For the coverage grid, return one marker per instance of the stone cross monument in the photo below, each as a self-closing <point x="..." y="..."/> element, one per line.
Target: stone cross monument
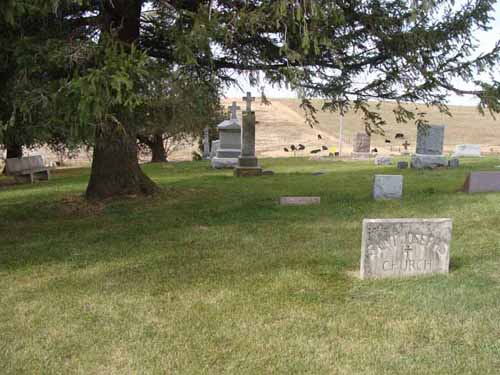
<point x="248" y="164"/>
<point x="234" y="110"/>
<point x="228" y="148"/>
<point x="249" y="99"/>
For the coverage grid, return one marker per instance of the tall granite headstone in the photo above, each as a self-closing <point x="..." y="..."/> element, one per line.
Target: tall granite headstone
<point x="248" y="164"/>
<point x="429" y="150"/>
<point x="405" y="247"/>
<point x="430" y="140"/>
<point x="361" y="143"/>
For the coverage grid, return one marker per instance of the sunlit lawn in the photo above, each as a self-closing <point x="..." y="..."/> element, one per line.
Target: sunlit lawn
<point x="212" y="276"/>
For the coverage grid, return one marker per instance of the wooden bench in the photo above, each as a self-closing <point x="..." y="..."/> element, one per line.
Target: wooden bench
<point x="27" y="169"/>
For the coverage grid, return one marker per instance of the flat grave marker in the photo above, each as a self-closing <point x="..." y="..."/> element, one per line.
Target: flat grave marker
<point x="482" y="182"/>
<point x="299" y="201"/>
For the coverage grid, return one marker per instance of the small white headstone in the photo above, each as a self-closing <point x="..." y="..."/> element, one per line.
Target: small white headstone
<point x="383" y="160"/>
<point x="467" y="151"/>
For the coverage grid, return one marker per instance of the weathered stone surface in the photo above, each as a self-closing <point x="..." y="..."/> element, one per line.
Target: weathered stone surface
<point x="361" y="155"/>
<point x="247" y="171"/>
<point x="482" y="182"/>
<point x="248" y="135"/>
<point x="221" y="163"/>
<point x="299" y="201"/>
<point x="387" y="186"/>
<point x="402" y="164"/>
<point x="214" y="148"/>
<point x="267" y="172"/>
<point x="405" y="247"/>
<point x="229" y="148"/>
<point x="467" y="151"/>
<point x="383" y="160"/>
<point x="230" y="139"/>
<point x="361" y="143"/>
<point x="228" y="153"/>
<point x="206" y="144"/>
<point x="430" y="140"/>
<point x="453" y="163"/>
<point x="428" y="161"/>
<point x="248" y="165"/>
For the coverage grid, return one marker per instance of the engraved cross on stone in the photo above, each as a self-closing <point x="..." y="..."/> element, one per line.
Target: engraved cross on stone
<point x="249" y="99"/>
<point x="408" y="250"/>
<point x="234" y="108"/>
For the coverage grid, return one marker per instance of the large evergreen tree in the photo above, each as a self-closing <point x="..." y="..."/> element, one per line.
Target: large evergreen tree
<point x="404" y="51"/>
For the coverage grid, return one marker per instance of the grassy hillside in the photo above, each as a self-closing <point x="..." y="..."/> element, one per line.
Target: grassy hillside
<point x="213" y="277"/>
<point x="282" y="124"/>
<point x="465" y="125"/>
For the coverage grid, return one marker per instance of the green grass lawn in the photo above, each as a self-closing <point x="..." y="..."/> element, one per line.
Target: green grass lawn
<point x="212" y="276"/>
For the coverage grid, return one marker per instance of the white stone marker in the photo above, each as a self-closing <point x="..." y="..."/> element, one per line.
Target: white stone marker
<point x="387" y="186"/>
<point x="467" y="151"/>
<point x="383" y="160"/>
<point x="405" y="247"/>
<point x="229" y="148"/>
<point x="299" y="201"/>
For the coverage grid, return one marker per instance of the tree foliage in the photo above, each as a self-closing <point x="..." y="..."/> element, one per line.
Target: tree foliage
<point x="347" y="52"/>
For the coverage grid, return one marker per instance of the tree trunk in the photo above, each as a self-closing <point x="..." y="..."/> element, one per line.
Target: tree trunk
<point x="115" y="166"/>
<point x="13" y="151"/>
<point x="158" y="153"/>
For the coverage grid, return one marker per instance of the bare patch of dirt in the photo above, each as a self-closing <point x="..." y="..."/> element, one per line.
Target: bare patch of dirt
<point x="78" y="206"/>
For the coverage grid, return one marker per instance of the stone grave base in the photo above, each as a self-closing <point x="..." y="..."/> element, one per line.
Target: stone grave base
<point x="419" y="161"/>
<point x="221" y="163"/>
<point x="228" y="153"/>
<point x="361" y="155"/>
<point x="248" y="161"/>
<point x="247" y="171"/>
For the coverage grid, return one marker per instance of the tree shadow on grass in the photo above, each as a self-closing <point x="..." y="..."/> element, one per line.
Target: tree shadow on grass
<point x="219" y="226"/>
